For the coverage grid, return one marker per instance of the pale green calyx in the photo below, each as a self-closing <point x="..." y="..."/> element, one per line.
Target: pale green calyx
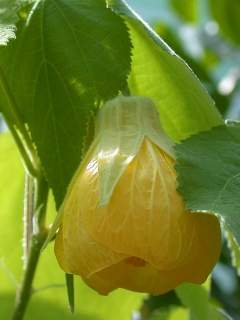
<point x="122" y="124"/>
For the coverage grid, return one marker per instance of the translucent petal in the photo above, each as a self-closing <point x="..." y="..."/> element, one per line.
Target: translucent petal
<point x="145" y="215"/>
<point x="143" y="239"/>
<point x="78" y="253"/>
<point x="146" y="278"/>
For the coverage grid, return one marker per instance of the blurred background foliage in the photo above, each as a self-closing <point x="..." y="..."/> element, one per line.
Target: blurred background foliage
<point x="206" y="34"/>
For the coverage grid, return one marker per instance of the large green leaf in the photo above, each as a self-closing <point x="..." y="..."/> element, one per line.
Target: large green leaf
<point x="49" y="303"/>
<point x="208" y="165"/>
<point x="68" y="56"/>
<point x="157" y="72"/>
<point x="227" y="14"/>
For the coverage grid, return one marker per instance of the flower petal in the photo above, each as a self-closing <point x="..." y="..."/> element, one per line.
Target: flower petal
<point x="143" y="216"/>
<point x="78" y="253"/>
<point x="206" y="247"/>
<point x="204" y="253"/>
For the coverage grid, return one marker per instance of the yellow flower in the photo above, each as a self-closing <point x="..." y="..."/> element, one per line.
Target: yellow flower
<point x="123" y="224"/>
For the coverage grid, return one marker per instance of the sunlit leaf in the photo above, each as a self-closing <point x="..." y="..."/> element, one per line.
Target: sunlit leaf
<point x="157" y="72"/>
<point x="179" y="314"/>
<point x="195" y="298"/>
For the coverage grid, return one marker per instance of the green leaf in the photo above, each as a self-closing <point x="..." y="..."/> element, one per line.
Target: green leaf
<point x="179" y="314"/>
<point x="73" y="55"/>
<point x="227" y="14"/>
<point x="161" y="315"/>
<point x="174" y="314"/>
<point x="208" y="165"/>
<point x="235" y="251"/>
<point x="45" y="303"/>
<point x="70" y="291"/>
<point x="196" y="299"/>
<point x="158" y="73"/>
<point x="186" y="9"/>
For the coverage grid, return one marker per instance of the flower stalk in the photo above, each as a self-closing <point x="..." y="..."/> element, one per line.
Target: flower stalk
<point x="37" y="240"/>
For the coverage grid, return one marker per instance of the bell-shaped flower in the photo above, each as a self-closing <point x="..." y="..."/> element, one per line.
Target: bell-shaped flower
<point x="123" y="224"/>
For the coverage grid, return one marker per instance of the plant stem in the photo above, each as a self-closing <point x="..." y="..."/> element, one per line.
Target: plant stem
<point x="25" y="290"/>
<point x="28" y="213"/>
<point x="38" y="238"/>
